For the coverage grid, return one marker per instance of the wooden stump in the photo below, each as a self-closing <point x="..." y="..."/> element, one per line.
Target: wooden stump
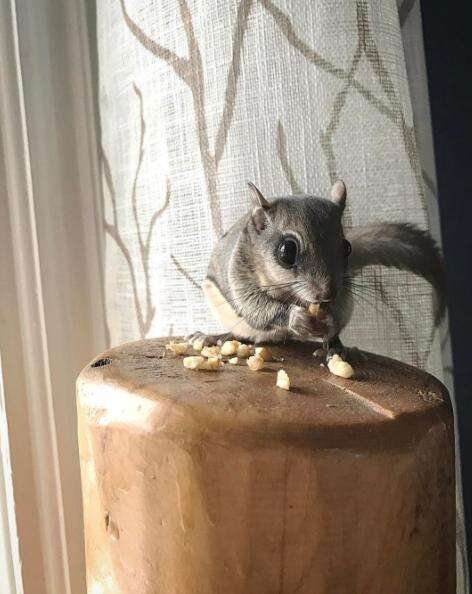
<point x="220" y="483"/>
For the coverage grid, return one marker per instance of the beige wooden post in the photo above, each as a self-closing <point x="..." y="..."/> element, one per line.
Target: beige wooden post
<point x="220" y="483"/>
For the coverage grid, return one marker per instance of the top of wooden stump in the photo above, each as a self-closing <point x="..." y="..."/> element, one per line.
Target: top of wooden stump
<point x="142" y="384"/>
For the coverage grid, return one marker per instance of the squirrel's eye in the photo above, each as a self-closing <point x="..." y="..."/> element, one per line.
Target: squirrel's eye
<point x="347" y="247"/>
<point x="287" y="252"/>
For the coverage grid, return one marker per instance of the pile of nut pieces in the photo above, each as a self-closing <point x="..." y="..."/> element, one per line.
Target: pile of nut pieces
<point x="211" y="358"/>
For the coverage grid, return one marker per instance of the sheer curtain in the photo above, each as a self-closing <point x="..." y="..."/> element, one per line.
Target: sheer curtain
<point x="198" y="96"/>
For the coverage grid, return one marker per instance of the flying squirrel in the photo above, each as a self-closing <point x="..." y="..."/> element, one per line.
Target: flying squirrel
<point x="291" y="252"/>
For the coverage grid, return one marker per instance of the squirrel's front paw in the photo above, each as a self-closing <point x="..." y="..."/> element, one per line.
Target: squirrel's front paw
<point x="304" y="325"/>
<point x="208" y="339"/>
<point x="300" y="321"/>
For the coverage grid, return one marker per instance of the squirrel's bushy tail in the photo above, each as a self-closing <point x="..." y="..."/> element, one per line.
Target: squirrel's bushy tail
<point x="402" y="246"/>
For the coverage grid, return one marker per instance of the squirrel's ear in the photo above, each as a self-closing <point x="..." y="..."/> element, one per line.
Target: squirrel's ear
<point x="257" y="196"/>
<point x="261" y="205"/>
<point x="338" y="193"/>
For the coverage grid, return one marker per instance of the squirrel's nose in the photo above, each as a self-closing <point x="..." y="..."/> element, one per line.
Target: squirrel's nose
<point x="325" y="294"/>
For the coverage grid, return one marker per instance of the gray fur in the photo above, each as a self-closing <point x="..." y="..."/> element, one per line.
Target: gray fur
<point x="402" y="246"/>
<point x="244" y="267"/>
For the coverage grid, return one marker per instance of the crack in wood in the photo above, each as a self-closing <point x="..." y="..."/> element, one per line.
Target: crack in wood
<point x="367" y="402"/>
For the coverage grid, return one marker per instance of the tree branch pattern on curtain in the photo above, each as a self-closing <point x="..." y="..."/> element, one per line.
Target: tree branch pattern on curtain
<point x="191" y="70"/>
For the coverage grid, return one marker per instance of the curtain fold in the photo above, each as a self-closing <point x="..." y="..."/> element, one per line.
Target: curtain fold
<point x="198" y="96"/>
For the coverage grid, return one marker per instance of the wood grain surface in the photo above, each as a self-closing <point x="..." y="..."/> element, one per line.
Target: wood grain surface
<point x="220" y="483"/>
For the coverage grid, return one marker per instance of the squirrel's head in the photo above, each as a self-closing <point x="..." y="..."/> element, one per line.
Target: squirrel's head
<point x="299" y="250"/>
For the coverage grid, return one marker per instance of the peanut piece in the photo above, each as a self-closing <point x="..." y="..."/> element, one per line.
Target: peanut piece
<point x="264" y="353"/>
<point x="202" y="364"/>
<point x="210" y="351"/>
<point x="198" y="344"/>
<point x="255" y="363"/>
<point x="244" y="351"/>
<point x="230" y="347"/>
<point x="283" y="381"/>
<point x="178" y="348"/>
<point x="339" y="367"/>
<point x="193" y="362"/>
<point x="210" y="364"/>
